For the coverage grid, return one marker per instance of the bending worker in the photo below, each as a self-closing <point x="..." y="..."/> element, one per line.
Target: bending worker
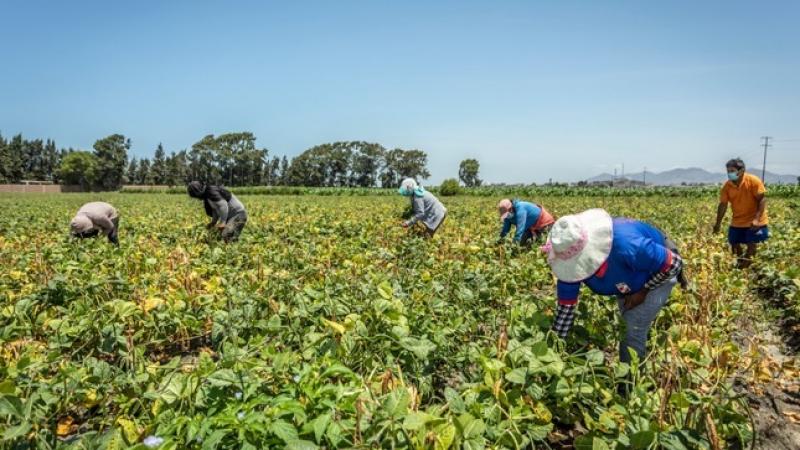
<point x="95" y="218"/>
<point x="531" y="220"/>
<point x="625" y="258"/>
<point x="226" y="211"/>
<point x="425" y="207"/>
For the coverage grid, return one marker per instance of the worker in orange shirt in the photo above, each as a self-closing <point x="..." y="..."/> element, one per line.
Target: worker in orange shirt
<point x="746" y="194"/>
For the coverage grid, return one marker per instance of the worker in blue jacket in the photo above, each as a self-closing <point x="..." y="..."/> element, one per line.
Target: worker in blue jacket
<point x="531" y="220"/>
<point x="628" y="259"/>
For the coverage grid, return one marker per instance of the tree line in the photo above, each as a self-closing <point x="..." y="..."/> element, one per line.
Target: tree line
<point x="231" y="159"/>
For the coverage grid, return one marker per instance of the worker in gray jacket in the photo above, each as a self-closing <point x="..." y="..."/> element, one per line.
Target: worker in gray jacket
<point x="425" y="207"/>
<point x="226" y="211"/>
<point x="94" y="218"/>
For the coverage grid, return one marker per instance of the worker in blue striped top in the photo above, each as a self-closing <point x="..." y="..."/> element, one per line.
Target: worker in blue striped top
<point x="625" y="258"/>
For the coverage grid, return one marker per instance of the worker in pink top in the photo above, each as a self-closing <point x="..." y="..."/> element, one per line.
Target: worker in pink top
<point x="94" y="218"/>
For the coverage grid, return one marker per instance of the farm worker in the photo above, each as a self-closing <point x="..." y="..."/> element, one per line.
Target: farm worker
<point x="425" y="207"/>
<point x="226" y="211"/>
<point x="626" y="258"/>
<point x="746" y="194"/>
<point x="94" y="218"/>
<point x="531" y="220"/>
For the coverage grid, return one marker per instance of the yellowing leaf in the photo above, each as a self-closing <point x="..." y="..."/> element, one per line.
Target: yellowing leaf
<point x="335" y="326"/>
<point x="64" y="426"/>
<point x="152" y="303"/>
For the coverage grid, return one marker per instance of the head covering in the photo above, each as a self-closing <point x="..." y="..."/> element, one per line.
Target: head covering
<point x="195" y="189"/>
<point x="410" y="187"/>
<point x="579" y="244"/>
<point x="504" y="208"/>
<point x="80" y="224"/>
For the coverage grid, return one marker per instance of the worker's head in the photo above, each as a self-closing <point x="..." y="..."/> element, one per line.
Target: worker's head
<point x="506" y="209"/>
<point x="80" y="224"/>
<point x="579" y="244"/>
<point x="195" y="189"/>
<point x="409" y="187"/>
<point x="735" y="168"/>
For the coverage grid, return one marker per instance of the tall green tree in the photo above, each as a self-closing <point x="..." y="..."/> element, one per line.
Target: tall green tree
<point x="78" y="168"/>
<point x="283" y="175"/>
<point x="14" y="164"/>
<point x="399" y="164"/>
<point x="144" y="176"/>
<point x="159" y="168"/>
<point x="132" y="172"/>
<point x="367" y="162"/>
<point x="202" y="161"/>
<point x="112" y="157"/>
<point x="177" y="165"/>
<point x="468" y="172"/>
<point x="4" y="160"/>
<point x="50" y="160"/>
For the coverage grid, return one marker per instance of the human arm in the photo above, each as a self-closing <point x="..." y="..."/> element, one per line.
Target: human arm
<point x="521" y="217"/>
<point x="103" y="223"/>
<point x="662" y="263"/>
<point x="506" y="228"/>
<point x="219" y="212"/>
<point x="567" y="294"/>
<point x="762" y="205"/>
<point x="417" y="211"/>
<point x="722" y="208"/>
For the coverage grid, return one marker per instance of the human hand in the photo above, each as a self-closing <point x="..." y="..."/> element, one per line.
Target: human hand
<point x="633" y="300"/>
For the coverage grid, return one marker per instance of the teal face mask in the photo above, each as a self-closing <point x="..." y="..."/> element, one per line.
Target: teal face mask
<point x="733" y="176"/>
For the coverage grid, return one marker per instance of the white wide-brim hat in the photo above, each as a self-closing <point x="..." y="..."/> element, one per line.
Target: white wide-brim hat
<point x="579" y="244"/>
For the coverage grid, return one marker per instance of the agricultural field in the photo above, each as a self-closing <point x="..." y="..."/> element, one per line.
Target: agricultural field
<point x="329" y="326"/>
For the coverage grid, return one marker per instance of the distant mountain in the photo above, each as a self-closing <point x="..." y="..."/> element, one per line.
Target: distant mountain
<point x="693" y="175"/>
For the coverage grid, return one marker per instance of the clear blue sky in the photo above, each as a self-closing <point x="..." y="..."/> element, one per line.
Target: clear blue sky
<point x="534" y="90"/>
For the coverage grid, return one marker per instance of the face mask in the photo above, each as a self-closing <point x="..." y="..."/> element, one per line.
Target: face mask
<point x="733" y="176"/>
<point x="510" y="216"/>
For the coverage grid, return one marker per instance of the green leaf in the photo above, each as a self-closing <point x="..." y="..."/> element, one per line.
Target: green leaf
<point x="642" y="439"/>
<point x="299" y="444"/>
<point x="420" y="347"/>
<point x="7" y="387"/>
<point x="10" y="406"/>
<point x="284" y="430"/>
<point x="590" y="442"/>
<point x="12" y="433"/>
<point x="385" y="290"/>
<point x="416" y="420"/>
<point x="222" y="378"/>
<point x="454" y="401"/>
<point x="320" y="424"/>
<point x="212" y="441"/>
<point x="445" y="435"/>
<point x="470" y="426"/>
<point x="517" y="376"/>
<point x="396" y="403"/>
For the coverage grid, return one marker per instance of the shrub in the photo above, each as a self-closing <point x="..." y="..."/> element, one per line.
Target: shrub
<point x="449" y="187"/>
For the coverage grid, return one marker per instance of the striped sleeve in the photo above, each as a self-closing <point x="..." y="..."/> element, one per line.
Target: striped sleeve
<point x="672" y="266"/>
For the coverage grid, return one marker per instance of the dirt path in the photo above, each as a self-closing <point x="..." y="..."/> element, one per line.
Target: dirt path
<point x="770" y="380"/>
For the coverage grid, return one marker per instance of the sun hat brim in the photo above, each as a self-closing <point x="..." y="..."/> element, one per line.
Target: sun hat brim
<point x="599" y="231"/>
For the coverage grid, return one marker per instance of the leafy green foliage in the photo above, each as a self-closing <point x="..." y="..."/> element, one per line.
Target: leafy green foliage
<point x="326" y="325"/>
<point x="449" y="187"/>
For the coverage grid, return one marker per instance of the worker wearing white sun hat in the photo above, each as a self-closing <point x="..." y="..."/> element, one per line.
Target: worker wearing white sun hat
<point x="626" y="258"/>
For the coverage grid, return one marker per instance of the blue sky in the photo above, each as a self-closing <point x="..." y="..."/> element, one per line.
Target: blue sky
<point x="534" y="90"/>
